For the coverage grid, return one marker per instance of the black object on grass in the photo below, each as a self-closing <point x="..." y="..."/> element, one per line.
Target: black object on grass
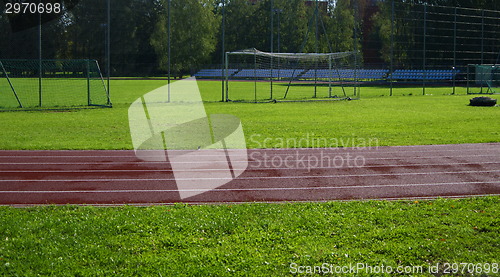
<point x="483" y="101"/>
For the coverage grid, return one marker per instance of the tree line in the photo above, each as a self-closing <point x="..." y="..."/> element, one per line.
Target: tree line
<point x="139" y="30"/>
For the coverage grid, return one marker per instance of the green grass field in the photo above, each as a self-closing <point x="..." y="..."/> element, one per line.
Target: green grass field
<point x="255" y="239"/>
<point x="247" y="239"/>
<point x="396" y="120"/>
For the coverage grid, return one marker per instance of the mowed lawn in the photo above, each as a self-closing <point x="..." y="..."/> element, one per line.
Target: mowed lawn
<point x="396" y="120"/>
<point x="252" y="239"/>
<point x="259" y="239"/>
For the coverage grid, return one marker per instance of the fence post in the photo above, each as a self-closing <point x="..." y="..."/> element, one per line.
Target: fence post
<point x="272" y="48"/>
<point x="355" y="31"/>
<point x="454" y="49"/>
<point x="40" y="73"/>
<point x="255" y="74"/>
<point x="89" y="100"/>
<point x="482" y="36"/>
<point x="169" y="47"/>
<point x="108" y="47"/>
<point x="424" y="49"/>
<point x="391" y="71"/>
<point x="227" y="78"/>
<point x="224" y="66"/>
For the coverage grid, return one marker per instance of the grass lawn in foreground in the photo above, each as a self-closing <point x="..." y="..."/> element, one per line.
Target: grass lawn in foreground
<point x="248" y="239"/>
<point x="396" y="120"/>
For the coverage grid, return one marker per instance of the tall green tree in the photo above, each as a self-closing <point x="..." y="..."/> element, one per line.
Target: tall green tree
<point x="342" y="25"/>
<point x="293" y="22"/>
<point x="194" y="28"/>
<point x="132" y="23"/>
<point x="241" y="17"/>
<point x="248" y="25"/>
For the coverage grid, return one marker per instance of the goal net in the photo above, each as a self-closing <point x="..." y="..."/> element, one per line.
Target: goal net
<point x="483" y="79"/>
<point x="51" y="83"/>
<point x="255" y="76"/>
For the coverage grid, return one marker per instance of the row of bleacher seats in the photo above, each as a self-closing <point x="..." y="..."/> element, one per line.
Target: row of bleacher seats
<point x="214" y="73"/>
<point x="402" y="74"/>
<point x="268" y="73"/>
<point x="363" y="74"/>
<point x="346" y="73"/>
<point x="249" y="73"/>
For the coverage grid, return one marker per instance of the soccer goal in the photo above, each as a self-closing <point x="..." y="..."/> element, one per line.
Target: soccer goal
<point x="483" y="79"/>
<point x="51" y="83"/>
<point x="255" y="76"/>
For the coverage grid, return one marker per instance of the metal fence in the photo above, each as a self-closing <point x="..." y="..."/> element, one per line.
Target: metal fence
<point x="420" y="46"/>
<point x="426" y="46"/>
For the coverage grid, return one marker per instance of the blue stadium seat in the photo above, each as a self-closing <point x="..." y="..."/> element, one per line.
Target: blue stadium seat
<point x="213" y="73"/>
<point x="268" y="73"/>
<point x="430" y="74"/>
<point x="346" y="73"/>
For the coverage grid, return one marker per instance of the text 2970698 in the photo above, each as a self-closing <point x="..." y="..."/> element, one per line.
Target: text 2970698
<point x="32" y="8"/>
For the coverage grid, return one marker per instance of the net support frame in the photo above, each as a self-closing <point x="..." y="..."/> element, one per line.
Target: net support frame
<point x="308" y="56"/>
<point x="483" y="82"/>
<point x="11" y="86"/>
<point x="88" y="69"/>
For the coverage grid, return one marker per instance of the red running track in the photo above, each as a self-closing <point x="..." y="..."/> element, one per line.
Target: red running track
<point x="118" y="177"/>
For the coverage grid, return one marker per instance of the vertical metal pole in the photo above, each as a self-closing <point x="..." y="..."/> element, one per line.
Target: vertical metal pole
<point x="468" y="78"/>
<point x="272" y="46"/>
<point x="482" y="36"/>
<point x="255" y="74"/>
<point x="227" y="77"/>
<point x="355" y="37"/>
<point x="317" y="50"/>
<point x="40" y="73"/>
<point x="108" y="48"/>
<point x="279" y="32"/>
<point x="279" y="38"/>
<point x="223" y="46"/>
<point x="330" y="76"/>
<point x="424" y="49"/>
<point x="391" y="71"/>
<point x="169" y="33"/>
<point x="482" y="49"/>
<point x="89" y="101"/>
<point x="317" y="29"/>
<point x="272" y="26"/>
<point x="454" y="50"/>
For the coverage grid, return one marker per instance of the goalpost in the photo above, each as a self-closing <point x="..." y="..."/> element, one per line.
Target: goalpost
<point x="62" y="83"/>
<point x="483" y="79"/>
<point x="255" y="76"/>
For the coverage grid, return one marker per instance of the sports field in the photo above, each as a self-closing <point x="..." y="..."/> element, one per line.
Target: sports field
<point x="257" y="239"/>
<point x="408" y="118"/>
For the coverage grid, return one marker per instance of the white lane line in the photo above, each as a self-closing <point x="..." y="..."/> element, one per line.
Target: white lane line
<point x="250" y="168"/>
<point x="233" y="202"/>
<point x="269" y="160"/>
<point x="255" y="177"/>
<point x="267" y="151"/>
<point x="466" y="145"/>
<point x="248" y="189"/>
<point x="367" y="150"/>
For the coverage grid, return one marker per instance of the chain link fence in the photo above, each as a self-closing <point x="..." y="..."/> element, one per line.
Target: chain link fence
<point x="420" y="46"/>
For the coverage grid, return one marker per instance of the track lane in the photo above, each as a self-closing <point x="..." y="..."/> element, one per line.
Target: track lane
<point x="118" y="177"/>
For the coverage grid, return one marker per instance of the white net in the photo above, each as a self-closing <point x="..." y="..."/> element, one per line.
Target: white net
<point x="256" y="76"/>
<point x="51" y="84"/>
<point x="483" y="79"/>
